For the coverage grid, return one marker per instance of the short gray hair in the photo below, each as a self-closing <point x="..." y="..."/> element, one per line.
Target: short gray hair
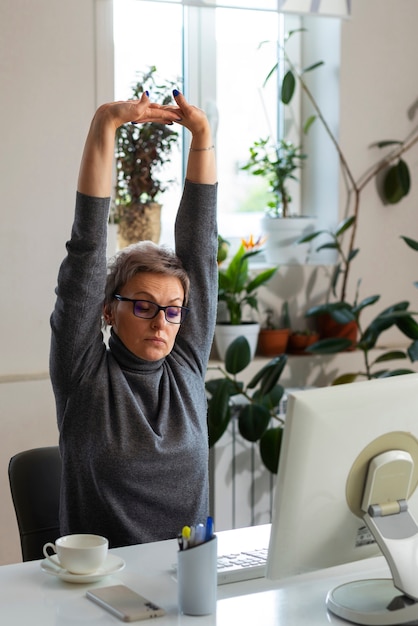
<point x="144" y="256"/>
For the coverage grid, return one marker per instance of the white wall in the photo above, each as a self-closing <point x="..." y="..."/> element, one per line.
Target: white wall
<point x="51" y="80"/>
<point x="48" y="73"/>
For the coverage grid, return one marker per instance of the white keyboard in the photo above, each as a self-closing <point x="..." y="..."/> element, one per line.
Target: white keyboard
<point x="240" y="566"/>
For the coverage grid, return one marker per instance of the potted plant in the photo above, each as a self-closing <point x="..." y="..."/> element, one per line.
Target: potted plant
<point x="277" y="163"/>
<point x="141" y="152"/>
<point x="274" y="336"/>
<point x="238" y="290"/>
<point x="255" y="405"/>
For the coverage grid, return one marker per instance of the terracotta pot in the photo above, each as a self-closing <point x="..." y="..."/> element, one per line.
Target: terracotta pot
<point x="298" y="342"/>
<point x="272" y="342"/>
<point x="328" y="328"/>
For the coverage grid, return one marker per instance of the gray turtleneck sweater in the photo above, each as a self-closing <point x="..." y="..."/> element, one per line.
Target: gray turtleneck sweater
<point x="133" y="433"/>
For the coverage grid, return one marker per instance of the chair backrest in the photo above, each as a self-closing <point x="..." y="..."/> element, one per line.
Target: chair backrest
<point x="35" y="479"/>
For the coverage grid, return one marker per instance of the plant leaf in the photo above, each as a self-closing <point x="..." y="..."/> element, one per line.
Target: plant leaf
<point x="341" y="312"/>
<point x="261" y="278"/>
<point x="270" y="400"/>
<point x="388" y="142"/>
<point x="270" y="375"/>
<point x="413" y="351"/>
<point x="311" y="236"/>
<point x="310" y="120"/>
<point x="253" y="420"/>
<point x="238" y="355"/>
<point x="408" y="326"/>
<point x="329" y="346"/>
<point x="288" y="87"/>
<point x="398" y="372"/>
<point x="390" y="356"/>
<point x="346" y="378"/>
<point x="366" y="302"/>
<point x="412" y="243"/>
<point x="235" y="387"/>
<point x="381" y="322"/>
<point x="312" y="67"/>
<point x="270" y="444"/>
<point x="269" y="75"/>
<point x="271" y="371"/>
<point x="397" y="182"/>
<point x="344" y="225"/>
<point x="219" y="412"/>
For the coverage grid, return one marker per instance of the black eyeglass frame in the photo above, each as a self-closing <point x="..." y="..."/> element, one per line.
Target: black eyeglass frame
<point x="184" y="310"/>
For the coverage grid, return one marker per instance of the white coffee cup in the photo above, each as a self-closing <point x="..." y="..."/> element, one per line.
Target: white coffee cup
<point x="78" y="554"/>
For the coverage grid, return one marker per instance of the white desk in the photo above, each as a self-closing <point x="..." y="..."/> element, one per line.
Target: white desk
<point x="30" y="597"/>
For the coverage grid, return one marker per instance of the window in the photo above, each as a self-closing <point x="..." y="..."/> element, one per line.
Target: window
<point x="217" y="52"/>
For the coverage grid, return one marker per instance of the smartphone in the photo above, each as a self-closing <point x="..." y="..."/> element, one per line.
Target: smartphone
<point x="125" y="603"/>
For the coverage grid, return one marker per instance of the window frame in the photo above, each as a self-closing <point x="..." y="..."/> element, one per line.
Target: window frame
<point x="318" y="196"/>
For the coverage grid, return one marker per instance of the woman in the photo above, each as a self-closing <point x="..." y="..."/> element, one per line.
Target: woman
<point x="132" y="417"/>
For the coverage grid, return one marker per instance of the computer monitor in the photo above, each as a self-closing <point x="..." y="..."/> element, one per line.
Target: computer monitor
<point x="329" y="437"/>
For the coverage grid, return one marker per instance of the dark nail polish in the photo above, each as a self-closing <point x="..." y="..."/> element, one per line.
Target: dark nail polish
<point x="176" y="92"/>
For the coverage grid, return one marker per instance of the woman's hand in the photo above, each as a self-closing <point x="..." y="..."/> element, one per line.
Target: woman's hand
<point x="96" y="169"/>
<point x="193" y="118"/>
<point x="137" y="111"/>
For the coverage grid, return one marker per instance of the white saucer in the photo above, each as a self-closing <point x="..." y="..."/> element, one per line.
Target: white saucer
<point x="112" y="565"/>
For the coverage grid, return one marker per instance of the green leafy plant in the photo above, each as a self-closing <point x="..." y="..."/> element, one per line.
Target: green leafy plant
<point x="395" y="315"/>
<point x="237" y="288"/>
<point x="255" y="405"/>
<point x="277" y="164"/>
<point x="393" y="168"/>
<point x="141" y="151"/>
<point x="396" y="183"/>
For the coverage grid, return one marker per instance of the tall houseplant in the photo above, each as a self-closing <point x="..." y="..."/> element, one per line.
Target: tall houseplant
<point x="396" y="185"/>
<point x="392" y="167"/>
<point x="141" y="153"/>
<point x="238" y="289"/>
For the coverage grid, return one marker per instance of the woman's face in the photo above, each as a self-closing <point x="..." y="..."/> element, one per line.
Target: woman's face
<point x="149" y="339"/>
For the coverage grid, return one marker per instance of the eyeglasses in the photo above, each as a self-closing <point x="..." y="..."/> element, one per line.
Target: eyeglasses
<point x="148" y="310"/>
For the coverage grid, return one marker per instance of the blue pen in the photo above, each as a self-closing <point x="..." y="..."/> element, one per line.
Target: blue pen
<point x="209" y="529"/>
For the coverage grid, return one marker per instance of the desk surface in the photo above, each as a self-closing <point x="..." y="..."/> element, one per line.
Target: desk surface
<point x="30" y="597"/>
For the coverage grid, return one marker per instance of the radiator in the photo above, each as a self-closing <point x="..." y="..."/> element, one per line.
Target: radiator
<point x="241" y="487"/>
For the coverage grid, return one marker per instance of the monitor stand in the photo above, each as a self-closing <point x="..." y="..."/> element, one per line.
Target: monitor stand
<point x="374" y="602"/>
<point x="381" y="602"/>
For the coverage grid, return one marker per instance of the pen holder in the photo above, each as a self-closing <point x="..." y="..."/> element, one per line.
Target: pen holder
<point x="197" y="578"/>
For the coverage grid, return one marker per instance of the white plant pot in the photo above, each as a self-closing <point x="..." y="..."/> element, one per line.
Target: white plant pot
<point x="282" y="234"/>
<point x="226" y="333"/>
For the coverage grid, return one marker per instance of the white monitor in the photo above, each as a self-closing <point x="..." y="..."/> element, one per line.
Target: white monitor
<point x="329" y="436"/>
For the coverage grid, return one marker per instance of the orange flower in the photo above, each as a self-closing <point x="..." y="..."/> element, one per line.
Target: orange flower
<point x="251" y="244"/>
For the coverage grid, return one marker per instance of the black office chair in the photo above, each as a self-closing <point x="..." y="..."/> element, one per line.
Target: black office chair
<point x="35" y="478"/>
